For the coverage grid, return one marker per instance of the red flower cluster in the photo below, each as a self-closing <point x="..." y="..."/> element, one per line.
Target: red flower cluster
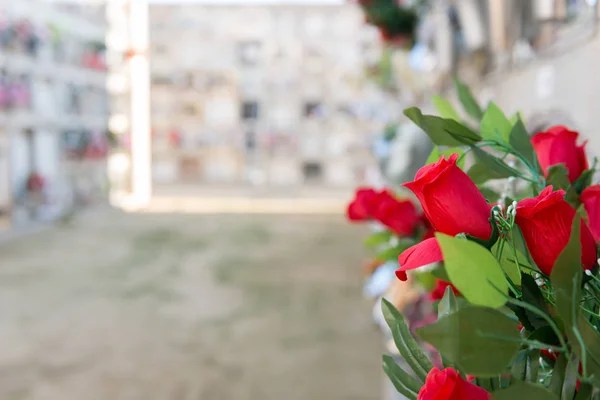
<point x="447" y="384"/>
<point x="453" y="204"/>
<point x="400" y="216"/>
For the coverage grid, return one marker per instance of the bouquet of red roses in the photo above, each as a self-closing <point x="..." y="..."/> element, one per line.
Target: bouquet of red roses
<point x="520" y="312"/>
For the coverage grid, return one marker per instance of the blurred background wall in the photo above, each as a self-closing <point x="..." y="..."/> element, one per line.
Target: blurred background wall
<point x="282" y="94"/>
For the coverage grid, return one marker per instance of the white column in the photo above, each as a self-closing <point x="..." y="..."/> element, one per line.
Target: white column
<point x="544" y="9"/>
<point x="497" y="25"/>
<point x="140" y="103"/>
<point x="444" y="42"/>
<point x="471" y="23"/>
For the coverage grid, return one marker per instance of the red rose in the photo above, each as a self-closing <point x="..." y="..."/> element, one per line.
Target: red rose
<point x="362" y="206"/>
<point x="449" y="385"/>
<point x="452" y="203"/>
<point x="401" y="216"/>
<point x="440" y="288"/>
<point x="546" y="223"/>
<point x="558" y="145"/>
<point x="591" y="202"/>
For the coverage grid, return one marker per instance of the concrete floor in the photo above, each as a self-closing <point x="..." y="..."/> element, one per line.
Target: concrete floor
<point x="187" y="306"/>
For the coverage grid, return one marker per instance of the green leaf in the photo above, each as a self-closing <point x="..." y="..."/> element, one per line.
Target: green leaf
<point x="507" y="262"/>
<point x="403" y="382"/>
<point x="558" y="375"/>
<point x="405" y="342"/>
<point x="485" y="383"/>
<point x="532" y="295"/>
<point x="570" y="380"/>
<point x="546" y="335"/>
<point x="445" y="108"/>
<point x="480" y="340"/>
<point x="495" y="125"/>
<point x="533" y="364"/>
<point x="474" y="271"/>
<point x="448" y="304"/>
<point x="521" y="142"/>
<point x="519" y="242"/>
<point x="441" y="131"/>
<point x="524" y="390"/>
<point x="468" y="101"/>
<point x="585" y="391"/>
<point x="489" y="167"/>
<point x="566" y="277"/>
<point x="515" y="118"/>
<point x="490" y="195"/>
<point x="378" y="238"/>
<point x="566" y="281"/>
<point x="436" y="153"/>
<point x="558" y="177"/>
<point x="518" y="369"/>
<point x="440" y="273"/>
<point x="572" y="197"/>
<point x="584" y="180"/>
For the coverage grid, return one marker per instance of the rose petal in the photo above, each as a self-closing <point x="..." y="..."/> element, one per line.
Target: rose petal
<point x="424" y="253"/>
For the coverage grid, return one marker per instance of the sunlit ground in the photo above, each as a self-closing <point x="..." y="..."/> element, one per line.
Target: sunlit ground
<point x="187" y="306"/>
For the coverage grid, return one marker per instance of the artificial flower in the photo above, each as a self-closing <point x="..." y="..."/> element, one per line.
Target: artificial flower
<point x="590" y="198"/>
<point x="447" y="384"/>
<point x="546" y="222"/>
<point x="452" y="204"/>
<point x="362" y="206"/>
<point x="558" y="145"/>
<point x="440" y="288"/>
<point x="400" y="216"/>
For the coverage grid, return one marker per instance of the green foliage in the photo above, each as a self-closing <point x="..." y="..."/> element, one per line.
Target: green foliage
<point x="442" y="131"/>
<point x="402" y="381"/>
<point x="469" y="103"/>
<point x="490" y="195"/>
<point x="558" y="376"/>
<point x="524" y="390"/>
<point x="489" y="167"/>
<point x="391" y="18"/>
<point x="378" y="239"/>
<point x="532" y="321"/>
<point x="436" y="153"/>
<point x="495" y="125"/>
<point x="392" y="253"/>
<point x="558" y="177"/>
<point x="566" y="277"/>
<point x="520" y="141"/>
<point x="509" y="262"/>
<point x="406" y="344"/>
<point x="445" y="108"/>
<point x="477" y="333"/>
<point x="474" y="271"/>
<point x="480" y="340"/>
<point x="448" y="304"/>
